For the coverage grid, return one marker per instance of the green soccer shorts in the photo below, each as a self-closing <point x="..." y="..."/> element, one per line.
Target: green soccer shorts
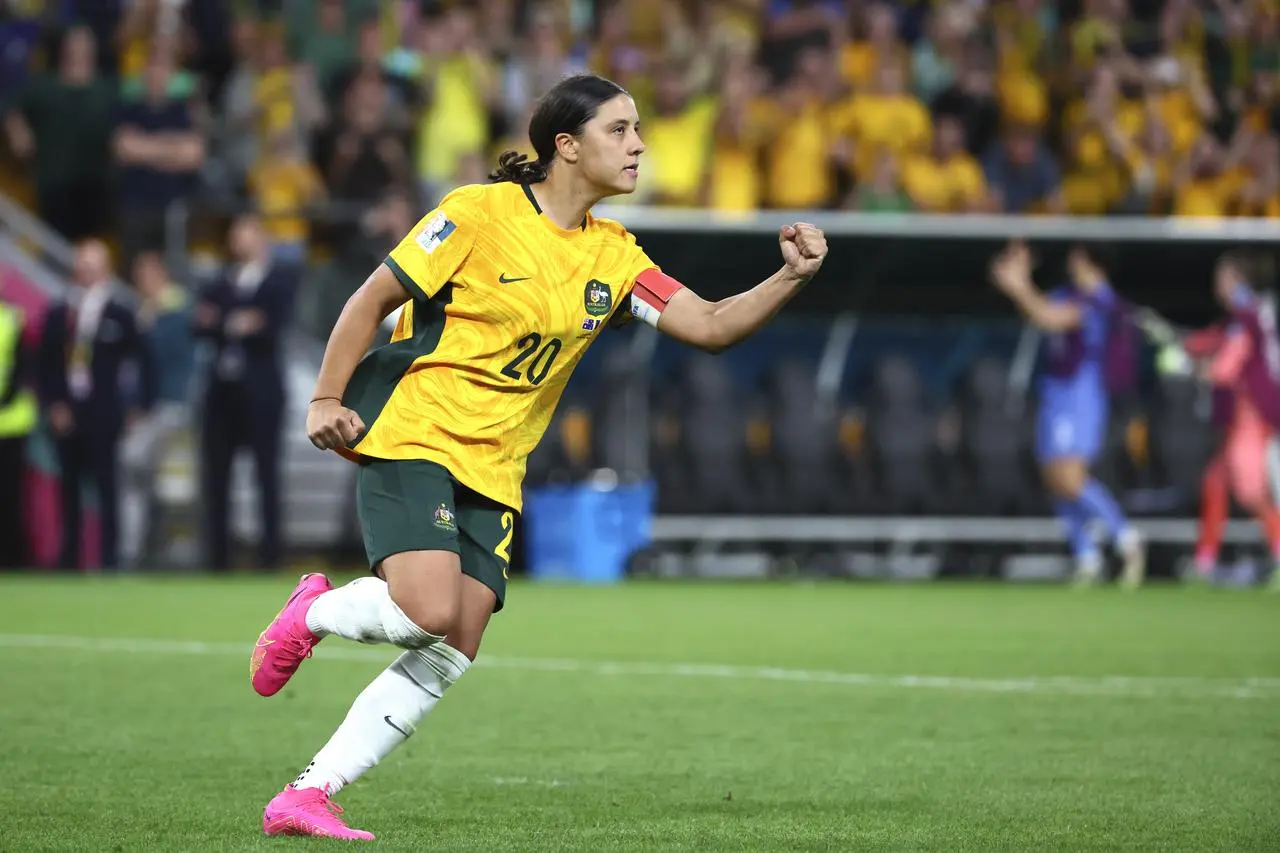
<point x="416" y="505"/>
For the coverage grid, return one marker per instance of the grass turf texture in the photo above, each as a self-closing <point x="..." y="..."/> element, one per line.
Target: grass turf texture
<point x="1024" y="745"/>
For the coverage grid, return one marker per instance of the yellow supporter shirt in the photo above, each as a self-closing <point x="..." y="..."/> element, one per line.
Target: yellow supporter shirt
<point x="677" y="150"/>
<point x="502" y="305"/>
<point x="1177" y="109"/>
<point x="273" y="96"/>
<point x="282" y="188"/>
<point x="737" y="182"/>
<point x="950" y="187"/>
<point x="1098" y="178"/>
<point x="1022" y="96"/>
<point x="1210" y="197"/>
<point x="859" y="61"/>
<point x="798" y="160"/>
<point x="899" y="124"/>
<point x="457" y="122"/>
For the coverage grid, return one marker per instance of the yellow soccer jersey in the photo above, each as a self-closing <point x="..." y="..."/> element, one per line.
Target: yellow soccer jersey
<point x="503" y="304"/>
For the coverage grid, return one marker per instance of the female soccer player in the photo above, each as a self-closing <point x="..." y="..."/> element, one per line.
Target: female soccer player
<point x="1243" y="357"/>
<point x="503" y="287"/>
<point x="1072" y="422"/>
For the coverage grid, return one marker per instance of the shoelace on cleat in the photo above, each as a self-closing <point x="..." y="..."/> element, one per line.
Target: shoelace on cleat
<point x="320" y="800"/>
<point x="298" y="646"/>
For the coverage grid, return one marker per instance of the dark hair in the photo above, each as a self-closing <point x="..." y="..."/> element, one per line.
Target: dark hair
<point x="1101" y="255"/>
<point x="1257" y="268"/>
<point x="565" y="108"/>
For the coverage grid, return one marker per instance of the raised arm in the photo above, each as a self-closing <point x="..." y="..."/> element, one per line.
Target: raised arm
<point x="716" y="326"/>
<point x="1011" y="272"/>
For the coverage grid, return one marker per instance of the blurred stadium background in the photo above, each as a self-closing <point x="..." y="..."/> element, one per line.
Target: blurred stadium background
<point x="879" y="429"/>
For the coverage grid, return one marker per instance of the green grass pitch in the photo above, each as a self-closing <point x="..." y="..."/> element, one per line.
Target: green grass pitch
<point x="650" y="717"/>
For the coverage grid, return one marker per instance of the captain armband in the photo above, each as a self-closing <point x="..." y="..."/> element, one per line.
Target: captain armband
<point x="652" y="292"/>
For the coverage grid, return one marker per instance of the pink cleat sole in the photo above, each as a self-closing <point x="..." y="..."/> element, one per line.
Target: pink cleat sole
<point x="288" y="641"/>
<point x="308" y="811"/>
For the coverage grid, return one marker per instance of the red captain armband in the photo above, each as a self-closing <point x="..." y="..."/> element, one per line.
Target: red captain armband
<point x="651" y="294"/>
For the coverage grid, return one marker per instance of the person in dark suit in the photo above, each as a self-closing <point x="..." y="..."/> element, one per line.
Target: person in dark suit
<point x="244" y="315"/>
<point x="89" y="346"/>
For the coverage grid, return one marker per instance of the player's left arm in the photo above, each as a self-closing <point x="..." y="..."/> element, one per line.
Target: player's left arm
<point x="677" y="311"/>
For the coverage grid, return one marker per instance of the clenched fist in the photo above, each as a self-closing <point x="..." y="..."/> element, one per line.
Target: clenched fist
<point x="331" y="425"/>
<point x="803" y="247"/>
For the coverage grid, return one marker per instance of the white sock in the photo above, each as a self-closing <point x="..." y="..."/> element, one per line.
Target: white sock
<point x="384" y="716"/>
<point x="1128" y="540"/>
<point x="363" y="611"/>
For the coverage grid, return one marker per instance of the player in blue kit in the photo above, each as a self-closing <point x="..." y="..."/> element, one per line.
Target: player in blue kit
<point x="1078" y="320"/>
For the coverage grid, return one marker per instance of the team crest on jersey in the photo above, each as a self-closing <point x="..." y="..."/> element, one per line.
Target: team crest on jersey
<point x="598" y="298"/>
<point x="434" y="232"/>
<point x="445" y="519"/>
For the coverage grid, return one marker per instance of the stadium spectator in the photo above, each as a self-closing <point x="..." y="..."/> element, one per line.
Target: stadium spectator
<point x="87" y="342"/>
<point x="794" y="27"/>
<point x="62" y="123"/>
<point x="284" y="184"/>
<point x="799" y="156"/>
<point x="1203" y="185"/>
<point x="736" y="182"/>
<point x="540" y="61"/>
<point x="937" y="58"/>
<point x="1149" y="164"/>
<point x="464" y="85"/>
<point x="615" y="52"/>
<point x="329" y="47"/>
<point x="1022" y="173"/>
<point x="678" y="141"/>
<point x="359" y="156"/>
<point x="244" y="316"/>
<point x="884" y="119"/>
<point x="102" y="17"/>
<point x="1098" y="130"/>
<point x="164" y="321"/>
<point x="159" y="152"/>
<point x="972" y="98"/>
<point x="370" y="64"/>
<point x="17" y="419"/>
<point x="948" y="179"/>
<point x="1260" y="195"/>
<point x="882" y="192"/>
<point x="875" y="46"/>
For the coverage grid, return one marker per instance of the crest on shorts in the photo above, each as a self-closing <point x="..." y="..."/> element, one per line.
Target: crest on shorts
<point x="598" y="298"/>
<point x="434" y="232"/>
<point x="445" y="519"/>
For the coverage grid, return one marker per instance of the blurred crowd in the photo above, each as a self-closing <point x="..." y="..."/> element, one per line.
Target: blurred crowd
<point x="315" y="110"/>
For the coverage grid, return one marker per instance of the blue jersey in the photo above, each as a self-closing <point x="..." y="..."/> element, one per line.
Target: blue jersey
<point x="1073" y="387"/>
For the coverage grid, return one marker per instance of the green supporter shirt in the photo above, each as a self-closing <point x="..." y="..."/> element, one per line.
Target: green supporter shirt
<point x="72" y="127"/>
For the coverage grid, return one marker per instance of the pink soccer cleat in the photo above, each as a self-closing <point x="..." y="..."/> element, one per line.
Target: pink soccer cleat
<point x="287" y="641"/>
<point x="308" y="811"/>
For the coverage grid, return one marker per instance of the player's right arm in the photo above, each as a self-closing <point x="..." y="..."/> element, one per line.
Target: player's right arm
<point x="1011" y="272"/>
<point x="416" y="269"/>
<point x="715" y="326"/>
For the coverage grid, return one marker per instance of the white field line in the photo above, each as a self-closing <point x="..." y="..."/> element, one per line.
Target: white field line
<point x="1113" y="685"/>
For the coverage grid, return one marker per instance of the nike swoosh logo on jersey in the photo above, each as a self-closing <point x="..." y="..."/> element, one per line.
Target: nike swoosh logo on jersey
<point x="502" y="279"/>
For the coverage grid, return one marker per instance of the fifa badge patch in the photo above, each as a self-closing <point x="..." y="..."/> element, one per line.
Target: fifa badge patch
<point x="598" y="298"/>
<point x="445" y="519"/>
<point x="437" y="229"/>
